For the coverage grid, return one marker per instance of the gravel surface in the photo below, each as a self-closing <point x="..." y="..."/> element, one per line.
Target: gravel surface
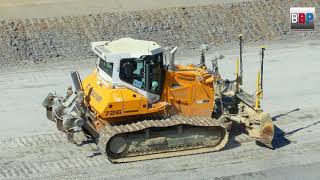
<point x="68" y="37"/>
<point x="43" y="40"/>
<point x="31" y="147"/>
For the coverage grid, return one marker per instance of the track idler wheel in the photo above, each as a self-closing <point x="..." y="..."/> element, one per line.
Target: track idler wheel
<point x="116" y="146"/>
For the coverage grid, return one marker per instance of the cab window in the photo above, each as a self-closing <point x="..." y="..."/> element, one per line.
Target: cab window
<point x="155" y="64"/>
<point x="107" y="67"/>
<point x="144" y="73"/>
<point x="132" y="72"/>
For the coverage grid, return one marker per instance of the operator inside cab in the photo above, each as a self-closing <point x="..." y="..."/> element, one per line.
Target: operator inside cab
<point x="137" y="71"/>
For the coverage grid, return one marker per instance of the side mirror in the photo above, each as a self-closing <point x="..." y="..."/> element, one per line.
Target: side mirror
<point x="97" y="61"/>
<point x="214" y="60"/>
<point x="217" y="57"/>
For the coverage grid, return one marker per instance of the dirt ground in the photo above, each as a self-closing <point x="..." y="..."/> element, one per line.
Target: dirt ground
<point x="31" y="147"/>
<point x="43" y="40"/>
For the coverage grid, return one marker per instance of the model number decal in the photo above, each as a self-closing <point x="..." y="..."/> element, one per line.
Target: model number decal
<point x="113" y="113"/>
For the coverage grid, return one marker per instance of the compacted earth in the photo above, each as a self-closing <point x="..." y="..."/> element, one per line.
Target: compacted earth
<point x="42" y="41"/>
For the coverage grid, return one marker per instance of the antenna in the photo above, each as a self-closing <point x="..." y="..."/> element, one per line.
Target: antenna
<point x="204" y="48"/>
<point x="261" y="68"/>
<point x="239" y="75"/>
<point x="240" y="56"/>
<point x="259" y="91"/>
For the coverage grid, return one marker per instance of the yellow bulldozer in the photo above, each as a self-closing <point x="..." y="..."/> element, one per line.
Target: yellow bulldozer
<point x="136" y="106"/>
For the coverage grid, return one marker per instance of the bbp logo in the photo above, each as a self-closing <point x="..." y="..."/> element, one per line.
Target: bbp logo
<point x="302" y="18"/>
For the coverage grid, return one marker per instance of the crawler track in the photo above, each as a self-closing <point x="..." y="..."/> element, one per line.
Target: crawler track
<point x="151" y="152"/>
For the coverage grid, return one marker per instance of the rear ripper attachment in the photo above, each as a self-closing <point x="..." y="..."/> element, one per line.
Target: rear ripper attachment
<point x="70" y="113"/>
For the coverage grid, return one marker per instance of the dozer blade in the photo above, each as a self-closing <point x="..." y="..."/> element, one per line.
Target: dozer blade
<point x="258" y="124"/>
<point x="266" y="129"/>
<point x="161" y="138"/>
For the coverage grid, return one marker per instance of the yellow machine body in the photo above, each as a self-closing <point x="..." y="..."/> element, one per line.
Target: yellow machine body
<point x="188" y="89"/>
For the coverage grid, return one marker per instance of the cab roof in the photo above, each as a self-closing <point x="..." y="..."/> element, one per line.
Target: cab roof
<point x="136" y="48"/>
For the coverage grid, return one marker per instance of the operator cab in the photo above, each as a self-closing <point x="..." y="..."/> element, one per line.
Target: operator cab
<point x="135" y="64"/>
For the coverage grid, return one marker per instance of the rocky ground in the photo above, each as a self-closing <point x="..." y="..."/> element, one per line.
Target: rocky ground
<point x="68" y="37"/>
<point x="43" y="43"/>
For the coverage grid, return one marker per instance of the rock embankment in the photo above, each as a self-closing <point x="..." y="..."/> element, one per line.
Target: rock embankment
<point x="69" y="37"/>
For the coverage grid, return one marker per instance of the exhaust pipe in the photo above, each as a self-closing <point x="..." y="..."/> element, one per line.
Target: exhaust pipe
<point x="204" y="48"/>
<point x="202" y="59"/>
<point x="171" y="63"/>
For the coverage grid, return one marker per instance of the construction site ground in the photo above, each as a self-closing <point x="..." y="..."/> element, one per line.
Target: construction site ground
<point x="32" y="147"/>
<point x="42" y="41"/>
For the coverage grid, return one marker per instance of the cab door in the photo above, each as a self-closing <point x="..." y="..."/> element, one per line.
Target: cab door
<point x="154" y="77"/>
